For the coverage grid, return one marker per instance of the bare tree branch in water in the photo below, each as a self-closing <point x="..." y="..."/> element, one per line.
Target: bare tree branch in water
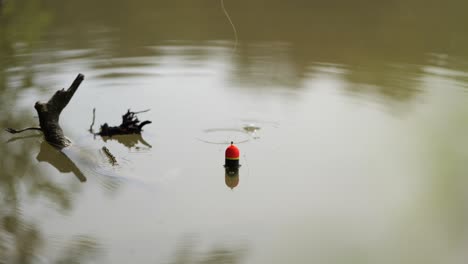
<point x="110" y="156"/>
<point x="22" y="239"/>
<point x="130" y="125"/>
<point x="91" y="130"/>
<point x="14" y="131"/>
<point x="49" y="115"/>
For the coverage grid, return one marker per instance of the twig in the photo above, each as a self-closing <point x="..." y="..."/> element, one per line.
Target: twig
<point x="109" y="155"/>
<point x="14" y="131"/>
<point x="140" y="126"/>
<point x="49" y="114"/>
<point x="92" y="124"/>
<point x="142" y="111"/>
<point x="130" y="125"/>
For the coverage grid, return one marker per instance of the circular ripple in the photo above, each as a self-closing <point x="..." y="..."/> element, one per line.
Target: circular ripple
<point x="224" y="136"/>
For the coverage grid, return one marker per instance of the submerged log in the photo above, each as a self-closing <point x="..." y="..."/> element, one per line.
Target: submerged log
<point x="49" y="115"/>
<point x="130" y="125"/>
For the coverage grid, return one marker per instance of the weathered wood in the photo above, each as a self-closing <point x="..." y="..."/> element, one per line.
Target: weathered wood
<point x="92" y="124"/>
<point x="49" y="114"/>
<point x="110" y="157"/>
<point x="130" y="125"/>
<point x="15" y="131"/>
<point x="49" y="117"/>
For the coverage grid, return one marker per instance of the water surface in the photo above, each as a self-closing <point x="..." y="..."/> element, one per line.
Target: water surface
<point x="351" y="118"/>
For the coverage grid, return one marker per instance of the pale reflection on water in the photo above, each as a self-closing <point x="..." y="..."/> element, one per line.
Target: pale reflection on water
<point x="351" y="118"/>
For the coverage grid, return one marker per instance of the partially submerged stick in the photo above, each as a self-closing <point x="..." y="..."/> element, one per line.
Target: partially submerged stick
<point x="92" y="124"/>
<point x="49" y="115"/>
<point x="14" y="131"/>
<point x="130" y="125"/>
<point x="109" y="155"/>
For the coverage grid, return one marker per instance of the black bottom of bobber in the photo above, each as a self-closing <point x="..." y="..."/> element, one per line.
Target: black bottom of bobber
<point x="231" y="163"/>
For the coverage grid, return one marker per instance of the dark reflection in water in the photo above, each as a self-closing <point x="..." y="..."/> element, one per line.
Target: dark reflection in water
<point x="20" y="138"/>
<point x="188" y="253"/>
<point x="59" y="160"/>
<point x="390" y="49"/>
<point x="231" y="177"/>
<point x="21" y="239"/>
<point x="280" y="41"/>
<point x="81" y="249"/>
<point x="129" y="141"/>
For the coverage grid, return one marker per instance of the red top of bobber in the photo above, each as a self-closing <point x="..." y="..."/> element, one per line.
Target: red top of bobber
<point x="232" y="152"/>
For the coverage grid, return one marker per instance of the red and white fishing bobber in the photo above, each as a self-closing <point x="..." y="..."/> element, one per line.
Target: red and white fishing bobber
<point x="232" y="157"/>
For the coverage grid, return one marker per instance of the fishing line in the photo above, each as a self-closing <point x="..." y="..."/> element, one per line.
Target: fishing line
<point x="247" y="165"/>
<point x="232" y="25"/>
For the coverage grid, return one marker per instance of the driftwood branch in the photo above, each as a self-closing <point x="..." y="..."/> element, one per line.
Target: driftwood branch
<point x="14" y="131"/>
<point x="110" y="157"/>
<point x="92" y="124"/>
<point x="130" y="125"/>
<point x="49" y="114"/>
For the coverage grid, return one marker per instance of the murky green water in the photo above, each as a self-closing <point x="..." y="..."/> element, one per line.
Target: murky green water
<point x="351" y="118"/>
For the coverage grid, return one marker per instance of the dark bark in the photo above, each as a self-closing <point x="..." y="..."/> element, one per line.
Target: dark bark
<point x="14" y="131"/>
<point x="130" y="125"/>
<point x="49" y="114"/>
<point x="49" y="117"/>
<point x="110" y="157"/>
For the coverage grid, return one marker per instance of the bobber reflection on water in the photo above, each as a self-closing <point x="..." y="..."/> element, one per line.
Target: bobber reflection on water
<point x="232" y="166"/>
<point x="231" y="177"/>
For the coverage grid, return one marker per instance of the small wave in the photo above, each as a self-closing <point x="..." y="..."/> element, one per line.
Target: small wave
<point x="224" y="136"/>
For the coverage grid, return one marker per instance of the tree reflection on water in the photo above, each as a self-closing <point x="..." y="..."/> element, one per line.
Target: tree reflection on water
<point x="282" y="43"/>
<point x="21" y="238"/>
<point x="187" y="253"/>
<point x="22" y="241"/>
